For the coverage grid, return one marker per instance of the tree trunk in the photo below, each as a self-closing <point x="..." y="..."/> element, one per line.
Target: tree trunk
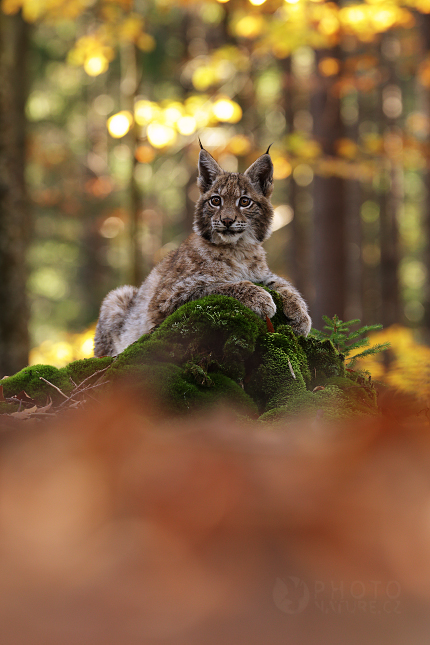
<point x="298" y="247"/>
<point x="329" y="236"/>
<point x="14" y="216"/>
<point x="389" y="202"/>
<point x="425" y="37"/>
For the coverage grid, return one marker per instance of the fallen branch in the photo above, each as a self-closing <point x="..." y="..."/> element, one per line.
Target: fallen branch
<point x="86" y="389"/>
<point x="78" y="387"/>
<point x="55" y="388"/>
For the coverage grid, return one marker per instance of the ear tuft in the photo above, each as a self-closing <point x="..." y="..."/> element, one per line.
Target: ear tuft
<point x="208" y="170"/>
<point x="261" y="174"/>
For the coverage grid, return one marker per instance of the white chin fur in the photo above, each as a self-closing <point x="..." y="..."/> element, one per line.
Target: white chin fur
<point x="227" y="237"/>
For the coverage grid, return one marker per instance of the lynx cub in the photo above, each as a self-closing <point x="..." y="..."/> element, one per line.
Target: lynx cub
<point x="223" y="255"/>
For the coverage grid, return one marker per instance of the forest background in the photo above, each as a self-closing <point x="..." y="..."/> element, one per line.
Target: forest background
<point x="101" y="104"/>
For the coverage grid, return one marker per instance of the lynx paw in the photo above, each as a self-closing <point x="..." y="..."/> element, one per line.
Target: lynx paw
<point x="298" y="317"/>
<point x="263" y="304"/>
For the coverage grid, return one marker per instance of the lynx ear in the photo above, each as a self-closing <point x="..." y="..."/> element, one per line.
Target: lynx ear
<point x="261" y="174"/>
<point x="208" y="170"/>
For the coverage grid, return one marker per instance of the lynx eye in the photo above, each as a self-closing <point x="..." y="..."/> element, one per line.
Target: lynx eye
<point x="244" y="201"/>
<point x="215" y="200"/>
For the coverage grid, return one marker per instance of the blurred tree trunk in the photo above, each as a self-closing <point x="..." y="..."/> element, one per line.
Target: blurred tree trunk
<point x="329" y="235"/>
<point x="298" y="251"/>
<point x="425" y="36"/>
<point x="14" y="217"/>
<point x="389" y="202"/>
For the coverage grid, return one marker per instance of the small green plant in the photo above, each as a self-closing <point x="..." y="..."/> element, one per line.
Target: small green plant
<point x="345" y="341"/>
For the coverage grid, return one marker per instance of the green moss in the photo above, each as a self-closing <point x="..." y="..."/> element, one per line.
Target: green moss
<point x="329" y="403"/>
<point x="323" y="360"/>
<point x="177" y="391"/>
<point x="205" y="352"/>
<point x="361" y="396"/>
<point x="82" y="369"/>
<point x="8" y="408"/>
<point x="29" y="380"/>
<point x="282" y="370"/>
<point x="214" y="328"/>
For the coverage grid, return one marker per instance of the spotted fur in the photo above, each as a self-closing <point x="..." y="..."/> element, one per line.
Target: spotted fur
<point x="223" y="255"/>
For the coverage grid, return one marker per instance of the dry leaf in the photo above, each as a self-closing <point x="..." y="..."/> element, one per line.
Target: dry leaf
<point x="45" y="407"/>
<point x="270" y="327"/>
<point x="24" y="414"/>
<point x="24" y="397"/>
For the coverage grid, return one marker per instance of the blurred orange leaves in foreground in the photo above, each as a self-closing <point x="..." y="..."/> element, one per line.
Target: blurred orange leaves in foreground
<point x="130" y="528"/>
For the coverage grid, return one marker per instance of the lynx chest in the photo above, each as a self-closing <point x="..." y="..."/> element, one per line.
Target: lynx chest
<point x="234" y="265"/>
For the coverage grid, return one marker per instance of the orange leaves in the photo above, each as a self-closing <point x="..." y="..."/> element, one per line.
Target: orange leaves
<point x="424" y="73"/>
<point x="405" y="366"/>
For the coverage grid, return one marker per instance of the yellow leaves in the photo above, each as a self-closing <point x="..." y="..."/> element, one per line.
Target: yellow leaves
<point x="145" y="112"/>
<point x="204" y="77"/>
<point x="329" y="22"/>
<point x="51" y="10"/>
<point x="346" y="148"/>
<point x="423" y="6"/>
<point x="9" y="7"/>
<point x="226" y="110"/>
<point x="372" y="143"/>
<point x="405" y="366"/>
<point x="119" y="124"/>
<point x="144" y="154"/>
<point x="70" y="347"/>
<point x="207" y="71"/>
<point x="367" y="20"/>
<point x="162" y="122"/>
<point x="281" y="168"/>
<point x="186" y="125"/>
<point x="329" y="66"/>
<point x="424" y="73"/>
<point x="131" y="28"/>
<point x="160" y="135"/>
<point x="248" y="26"/>
<point x="93" y="53"/>
<point x="239" y="145"/>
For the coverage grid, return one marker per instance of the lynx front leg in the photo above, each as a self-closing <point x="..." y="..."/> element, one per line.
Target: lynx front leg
<point x="247" y="293"/>
<point x="295" y="308"/>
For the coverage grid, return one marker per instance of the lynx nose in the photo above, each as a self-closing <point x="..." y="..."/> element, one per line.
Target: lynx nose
<point x="227" y="222"/>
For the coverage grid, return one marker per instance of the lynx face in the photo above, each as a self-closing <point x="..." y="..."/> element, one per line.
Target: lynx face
<point x="234" y="206"/>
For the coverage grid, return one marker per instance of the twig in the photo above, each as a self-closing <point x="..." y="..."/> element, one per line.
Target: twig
<point x="70" y="398"/>
<point x="55" y="387"/>
<point x="91" y="376"/>
<point x="291" y="369"/>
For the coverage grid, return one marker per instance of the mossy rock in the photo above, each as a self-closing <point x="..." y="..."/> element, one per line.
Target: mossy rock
<point x="216" y="349"/>
<point x="282" y="371"/>
<point x="214" y="330"/>
<point x="329" y="403"/>
<point x="30" y="379"/>
<point x="178" y="391"/>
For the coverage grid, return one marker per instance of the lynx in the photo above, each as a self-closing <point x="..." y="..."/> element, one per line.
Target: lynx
<point x="223" y="255"/>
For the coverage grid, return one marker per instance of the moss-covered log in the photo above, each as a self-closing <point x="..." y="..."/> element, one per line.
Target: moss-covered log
<point x="215" y="349"/>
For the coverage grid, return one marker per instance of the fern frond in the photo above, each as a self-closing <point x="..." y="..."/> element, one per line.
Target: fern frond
<point x="375" y="349"/>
